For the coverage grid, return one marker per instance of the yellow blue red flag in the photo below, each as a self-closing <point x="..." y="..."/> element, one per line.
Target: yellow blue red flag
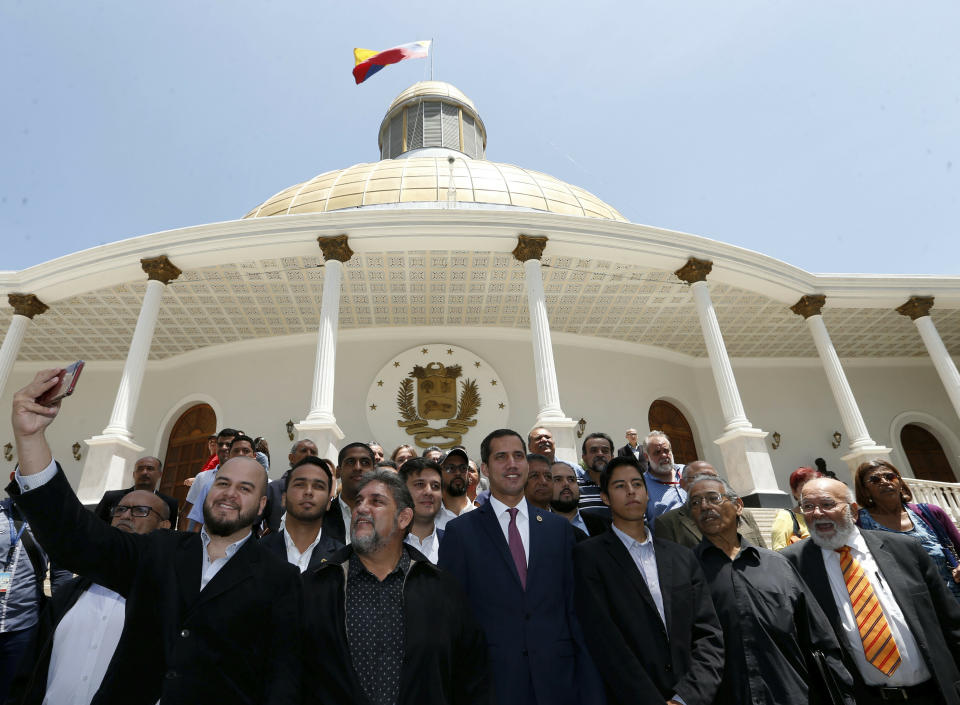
<point x="368" y="62"/>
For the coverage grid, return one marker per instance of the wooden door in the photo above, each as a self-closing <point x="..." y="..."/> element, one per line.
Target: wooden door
<point x="187" y="449"/>
<point x="925" y="454"/>
<point x="664" y="416"/>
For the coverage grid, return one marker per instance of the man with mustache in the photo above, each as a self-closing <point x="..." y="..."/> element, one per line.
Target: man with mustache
<point x="354" y="460"/>
<point x="383" y="624"/>
<point x="896" y="621"/>
<point x="644" y="605"/>
<point x="662" y="476"/>
<point x="456" y="468"/>
<point x="146" y="475"/>
<point x="193" y="600"/>
<point x="566" y="501"/>
<point x="82" y="623"/>
<point x="596" y="451"/>
<point x="771" y="622"/>
<point x="423" y="479"/>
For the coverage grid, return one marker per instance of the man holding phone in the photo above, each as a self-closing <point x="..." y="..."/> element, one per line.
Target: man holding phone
<point x="207" y="613"/>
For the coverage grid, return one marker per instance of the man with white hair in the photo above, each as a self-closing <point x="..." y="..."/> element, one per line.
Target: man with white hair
<point x="897" y="623"/>
<point x="662" y="476"/>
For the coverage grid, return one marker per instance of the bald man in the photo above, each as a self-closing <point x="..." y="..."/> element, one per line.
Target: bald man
<point x="207" y="613"/>
<point x="81" y="625"/>
<point x="678" y="526"/>
<point x="146" y="476"/>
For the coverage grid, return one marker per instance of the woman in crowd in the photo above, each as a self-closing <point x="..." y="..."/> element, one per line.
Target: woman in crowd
<point x="885" y="505"/>
<point x="402" y="454"/>
<point x="789" y="525"/>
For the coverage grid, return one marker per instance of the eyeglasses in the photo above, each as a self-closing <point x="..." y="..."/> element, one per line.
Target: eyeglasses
<point x="828" y="506"/>
<point x="878" y="477"/>
<point x="137" y="510"/>
<point x="451" y="469"/>
<point x="714" y="499"/>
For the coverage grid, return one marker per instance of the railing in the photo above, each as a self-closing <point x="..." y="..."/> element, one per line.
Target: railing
<point x="944" y="494"/>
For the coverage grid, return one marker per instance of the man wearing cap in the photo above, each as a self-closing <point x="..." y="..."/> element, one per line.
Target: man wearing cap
<point x="455" y="466"/>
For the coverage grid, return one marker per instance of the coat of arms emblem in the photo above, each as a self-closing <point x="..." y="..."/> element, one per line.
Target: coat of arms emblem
<point x="434" y="398"/>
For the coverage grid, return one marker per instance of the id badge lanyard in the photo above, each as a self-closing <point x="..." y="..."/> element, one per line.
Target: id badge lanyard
<point x="14" y="536"/>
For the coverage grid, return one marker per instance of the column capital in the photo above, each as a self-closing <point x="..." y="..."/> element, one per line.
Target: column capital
<point x="160" y="268"/>
<point x="695" y="270"/>
<point x="335" y="248"/>
<point x="529" y="247"/>
<point x="809" y="305"/>
<point x="916" y="307"/>
<point x="26" y="305"/>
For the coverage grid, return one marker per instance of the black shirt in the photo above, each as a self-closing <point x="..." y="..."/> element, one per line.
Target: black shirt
<point x="770" y="622"/>
<point x="375" y="629"/>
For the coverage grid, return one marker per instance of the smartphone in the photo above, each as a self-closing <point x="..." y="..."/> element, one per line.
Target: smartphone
<point x="68" y="382"/>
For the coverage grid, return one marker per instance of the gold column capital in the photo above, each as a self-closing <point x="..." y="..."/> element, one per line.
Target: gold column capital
<point x="335" y="248"/>
<point x="916" y="307"/>
<point x="529" y="247"/>
<point x="809" y="305"/>
<point x="26" y="305"/>
<point x="695" y="270"/>
<point x="160" y="268"/>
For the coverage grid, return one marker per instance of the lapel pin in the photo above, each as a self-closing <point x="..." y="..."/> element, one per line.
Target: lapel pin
<point x="539" y="517"/>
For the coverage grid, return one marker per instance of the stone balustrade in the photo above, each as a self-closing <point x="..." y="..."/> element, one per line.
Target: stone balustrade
<point x="943" y="494"/>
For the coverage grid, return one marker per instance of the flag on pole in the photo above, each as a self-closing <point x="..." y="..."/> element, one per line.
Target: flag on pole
<point x="368" y="61"/>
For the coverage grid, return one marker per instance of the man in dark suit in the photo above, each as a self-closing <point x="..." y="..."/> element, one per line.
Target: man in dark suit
<point x="890" y="572"/>
<point x="146" y="475"/>
<point x="678" y="526"/>
<point x="209" y="616"/>
<point x="633" y="448"/>
<point x="514" y="561"/>
<point x="274" y="511"/>
<point x="353" y="461"/>
<point x="644" y="605"/>
<point x="306" y="496"/>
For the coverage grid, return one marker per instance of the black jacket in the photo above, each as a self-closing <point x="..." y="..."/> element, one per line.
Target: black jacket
<point x="112" y="498"/>
<point x="445" y="658"/>
<point x="325" y="548"/>
<point x="236" y="641"/>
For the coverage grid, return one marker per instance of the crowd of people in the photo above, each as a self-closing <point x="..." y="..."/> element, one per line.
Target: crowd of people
<point x="427" y="577"/>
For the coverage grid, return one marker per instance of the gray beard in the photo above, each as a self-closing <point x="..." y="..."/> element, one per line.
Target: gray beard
<point x="844" y="532"/>
<point x="372" y="543"/>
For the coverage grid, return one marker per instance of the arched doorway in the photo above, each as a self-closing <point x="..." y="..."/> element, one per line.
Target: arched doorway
<point x="925" y="454"/>
<point x="664" y="416"/>
<point x="187" y="449"/>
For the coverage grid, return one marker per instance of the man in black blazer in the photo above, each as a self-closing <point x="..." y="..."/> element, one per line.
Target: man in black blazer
<point x="306" y="495"/>
<point x="514" y="562"/>
<point x="633" y="448"/>
<point x="644" y="605"/>
<point x="210" y="616"/>
<point x="923" y="617"/>
<point x="353" y="461"/>
<point x="146" y="475"/>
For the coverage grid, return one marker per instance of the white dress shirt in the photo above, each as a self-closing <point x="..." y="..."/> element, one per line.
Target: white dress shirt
<point x="211" y="568"/>
<point x="83" y="645"/>
<point x="523" y="522"/>
<point x="301" y="560"/>
<point x="445" y="515"/>
<point x="912" y="670"/>
<point x="646" y="561"/>
<point x="430" y="546"/>
<point x="347" y="513"/>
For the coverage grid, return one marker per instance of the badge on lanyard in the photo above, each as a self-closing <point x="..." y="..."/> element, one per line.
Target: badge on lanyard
<point x="5" y="580"/>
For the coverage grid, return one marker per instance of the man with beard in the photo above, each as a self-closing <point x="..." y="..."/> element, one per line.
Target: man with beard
<point x="81" y="625"/>
<point x="201" y="483"/>
<point x="540" y="440"/>
<point x="539" y="487"/>
<point x="566" y="501"/>
<point x="662" y="476"/>
<point x="354" y="460"/>
<point x="194" y="601"/>
<point x="596" y="451"/>
<point x="772" y="624"/>
<point x="383" y="624"/>
<point x="424" y="479"/>
<point x="301" y="540"/>
<point x="455" y="466"/>
<point x="274" y="511"/>
<point x="896" y="621"/>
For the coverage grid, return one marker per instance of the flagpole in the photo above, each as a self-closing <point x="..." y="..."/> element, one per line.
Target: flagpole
<point x="431" y="58"/>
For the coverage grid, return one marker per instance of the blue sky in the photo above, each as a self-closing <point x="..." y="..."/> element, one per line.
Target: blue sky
<point x="821" y="133"/>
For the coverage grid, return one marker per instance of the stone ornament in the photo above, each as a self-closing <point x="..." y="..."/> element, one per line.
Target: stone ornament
<point x="809" y="305"/>
<point x="160" y="269"/>
<point x="695" y="270"/>
<point x="26" y="305"/>
<point x="529" y="247"/>
<point x="916" y="307"/>
<point x="335" y="248"/>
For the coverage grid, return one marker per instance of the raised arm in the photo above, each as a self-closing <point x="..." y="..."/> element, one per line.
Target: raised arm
<point x="30" y="421"/>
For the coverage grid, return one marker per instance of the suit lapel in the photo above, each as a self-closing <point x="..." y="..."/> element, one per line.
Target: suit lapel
<point x="621" y="556"/>
<point x="495" y="534"/>
<point x="188" y="562"/>
<point x="664" y="577"/>
<point x="814" y="572"/>
<point x="537" y="539"/>
<point x="686" y="521"/>
<point x="235" y="571"/>
<point x="322" y="551"/>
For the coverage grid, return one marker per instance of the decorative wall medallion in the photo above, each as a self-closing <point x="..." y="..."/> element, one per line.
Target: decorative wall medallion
<point x="424" y="398"/>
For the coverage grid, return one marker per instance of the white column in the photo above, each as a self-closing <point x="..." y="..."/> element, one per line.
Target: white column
<point x="941" y="359"/>
<point x="734" y="416"/>
<point x="320" y="425"/>
<point x="746" y="459"/>
<point x="550" y="415"/>
<point x="125" y="404"/>
<point x="321" y="402"/>
<point x="25" y="307"/>
<point x="11" y="347"/>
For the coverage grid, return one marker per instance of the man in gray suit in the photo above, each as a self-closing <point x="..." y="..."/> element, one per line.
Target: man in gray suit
<point x="678" y="526"/>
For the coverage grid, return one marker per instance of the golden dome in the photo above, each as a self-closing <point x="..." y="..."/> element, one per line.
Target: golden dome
<point x="427" y="179"/>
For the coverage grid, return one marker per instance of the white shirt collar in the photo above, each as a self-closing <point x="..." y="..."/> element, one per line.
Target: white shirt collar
<point x="499" y="507"/>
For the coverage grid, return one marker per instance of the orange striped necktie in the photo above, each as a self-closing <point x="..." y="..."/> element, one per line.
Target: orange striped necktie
<point x="879" y="648"/>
